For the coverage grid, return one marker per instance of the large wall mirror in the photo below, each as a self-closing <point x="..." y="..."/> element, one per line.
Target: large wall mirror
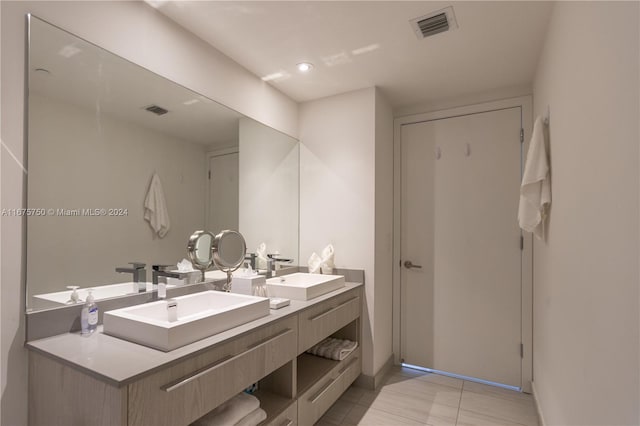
<point x="98" y="133"/>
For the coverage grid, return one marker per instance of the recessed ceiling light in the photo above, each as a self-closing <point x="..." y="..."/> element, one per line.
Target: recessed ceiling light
<point x="304" y="67"/>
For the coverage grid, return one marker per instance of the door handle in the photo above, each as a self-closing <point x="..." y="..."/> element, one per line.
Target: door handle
<point x="408" y="264"/>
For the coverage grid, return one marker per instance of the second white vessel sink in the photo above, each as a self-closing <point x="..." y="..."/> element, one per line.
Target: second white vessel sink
<point x="303" y="286"/>
<point x="199" y="315"/>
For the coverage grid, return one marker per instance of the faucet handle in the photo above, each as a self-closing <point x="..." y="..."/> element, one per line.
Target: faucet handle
<point x="137" y="265"/>
<point x="161" y="268"/>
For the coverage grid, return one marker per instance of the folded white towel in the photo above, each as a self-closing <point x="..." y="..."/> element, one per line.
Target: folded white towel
<point x="314" y="263"/>
<point x="332" y="348"/>
<point x="253" y="418"/>
<point x="535" y="191"/>
<point x="328" y="260"/>
<point x="261" y="256"/>
<point x="230" y="412"/>
<point x="155" y="208"/>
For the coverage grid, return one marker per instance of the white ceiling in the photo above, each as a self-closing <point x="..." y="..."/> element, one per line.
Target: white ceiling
<point x="358" y="44"/>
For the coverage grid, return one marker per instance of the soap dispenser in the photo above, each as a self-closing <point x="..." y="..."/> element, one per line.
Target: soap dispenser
<point x="89" y="315"/>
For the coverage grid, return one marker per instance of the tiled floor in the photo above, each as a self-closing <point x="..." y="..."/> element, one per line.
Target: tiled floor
<point x="411" y="397"/>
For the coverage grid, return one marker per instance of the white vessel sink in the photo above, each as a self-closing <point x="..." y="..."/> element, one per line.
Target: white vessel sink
<point x="303" y="286"/>
<point x="99" y="293"/>
<point x="199" y="315"/>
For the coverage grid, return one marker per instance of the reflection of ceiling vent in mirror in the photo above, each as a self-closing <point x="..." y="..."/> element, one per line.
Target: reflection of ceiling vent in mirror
<point x="434" y="23"/>
<point x="156" y="109"/>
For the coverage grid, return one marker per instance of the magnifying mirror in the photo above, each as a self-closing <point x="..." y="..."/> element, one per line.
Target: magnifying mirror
<point x="229" y="250"/>
<point x="200" y="249"/>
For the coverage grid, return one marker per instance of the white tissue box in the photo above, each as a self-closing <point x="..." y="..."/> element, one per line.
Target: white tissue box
<point x="247" y="284"/>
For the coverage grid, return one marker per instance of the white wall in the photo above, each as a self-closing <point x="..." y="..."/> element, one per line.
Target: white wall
<point x="383" y="330"/>
<point x="586" y="324"/>
<point x="138" y="33"/>
<point x="338" y="194"/>
<point x="104" y="164"/>
<point x="269" y="188"/>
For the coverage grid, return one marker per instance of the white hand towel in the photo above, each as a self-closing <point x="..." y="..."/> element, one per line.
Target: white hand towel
<point x="253" y="418"/>
<point x="155" y="208"/>
<point x="328" y="260"/>
<point x="230" y="412"/>
<point x="332" y="348"/>
<point x="314" y="263"/>
<point x="261" y="256"/>
<point x="535" y="191"/>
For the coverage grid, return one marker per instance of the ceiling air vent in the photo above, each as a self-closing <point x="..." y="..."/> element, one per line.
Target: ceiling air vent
<point x="434" y="23"/>
<point x="158" y="110"/>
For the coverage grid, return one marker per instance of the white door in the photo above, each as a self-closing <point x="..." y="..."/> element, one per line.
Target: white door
<point x="461" y="308"/>
<point x="223" y="193"/>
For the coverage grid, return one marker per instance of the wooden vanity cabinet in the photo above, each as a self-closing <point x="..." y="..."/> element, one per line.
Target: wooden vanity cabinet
<point x="182" y="393"/>
<point x="294" y="387"/>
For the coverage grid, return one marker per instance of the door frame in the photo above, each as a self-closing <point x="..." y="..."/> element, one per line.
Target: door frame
<point x="526" y="105"/>
<point x="210" y="154"/>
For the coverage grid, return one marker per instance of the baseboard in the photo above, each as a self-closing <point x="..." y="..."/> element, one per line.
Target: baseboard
<point x="373" y="382"/>
<point x="538" y="408"/>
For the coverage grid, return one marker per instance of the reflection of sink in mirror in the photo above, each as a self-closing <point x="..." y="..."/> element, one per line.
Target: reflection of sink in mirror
<point x="303" y="286"/>
<point x="199" y="315"/>
<point x="99" y="292"/>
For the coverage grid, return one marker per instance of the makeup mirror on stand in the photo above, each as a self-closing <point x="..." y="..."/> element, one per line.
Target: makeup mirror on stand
<point x="200" y="249"/>
<point x="229" y="249"/>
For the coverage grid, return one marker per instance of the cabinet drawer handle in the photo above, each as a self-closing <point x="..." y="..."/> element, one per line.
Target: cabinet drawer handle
<point x="325" y="313"/>
<point x="321" y="392"/>
<point x="219" y="363"/>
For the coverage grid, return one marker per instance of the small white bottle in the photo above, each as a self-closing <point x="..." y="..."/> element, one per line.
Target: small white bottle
<point x="89" y="315"/>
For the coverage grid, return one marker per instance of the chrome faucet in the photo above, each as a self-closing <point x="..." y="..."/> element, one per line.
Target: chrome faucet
<point x="161" y="271"/>
<point x="139" y="274"/>
<point x="272" y="259"/>
<point x="251" y="257"/>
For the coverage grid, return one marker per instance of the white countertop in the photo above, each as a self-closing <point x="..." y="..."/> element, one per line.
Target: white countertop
<point x="120" y="362"/>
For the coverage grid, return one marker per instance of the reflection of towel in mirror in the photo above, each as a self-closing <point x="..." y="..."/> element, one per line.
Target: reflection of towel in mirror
<point x="230" y="412"/>
<point x="155" y="208"/>
<point x="328" y="260"/>
<point x="535" y="191"/>
<point x="332" y="348"/>
<point x="253" y="418"/>
<point x="261" y="256"/>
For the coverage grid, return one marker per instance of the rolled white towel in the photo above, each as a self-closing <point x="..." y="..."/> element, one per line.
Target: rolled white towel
<point x="229" y="412"/>
<point x="328" y="260"/>
<point x="253" y="418"/>
<point x="261" y="256"/>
